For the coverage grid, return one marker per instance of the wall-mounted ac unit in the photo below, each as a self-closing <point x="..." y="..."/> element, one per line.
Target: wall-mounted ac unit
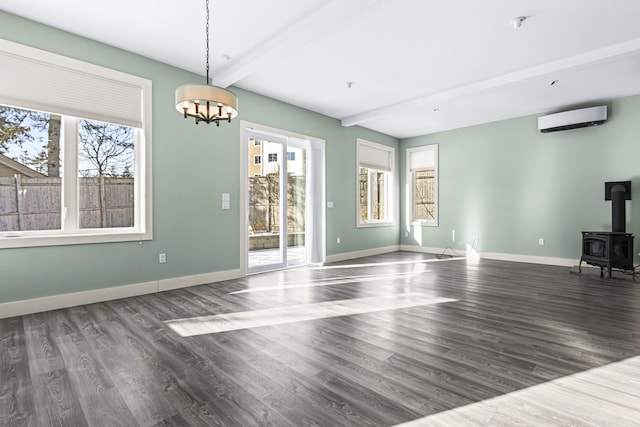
<point x="573" y="119"/>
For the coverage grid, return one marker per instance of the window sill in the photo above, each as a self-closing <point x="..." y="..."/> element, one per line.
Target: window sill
<point x="375" y="224"/>
<point x="26" y="240"/>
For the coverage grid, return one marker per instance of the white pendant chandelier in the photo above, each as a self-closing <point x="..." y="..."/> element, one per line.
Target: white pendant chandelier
<point x="206" y="103"/>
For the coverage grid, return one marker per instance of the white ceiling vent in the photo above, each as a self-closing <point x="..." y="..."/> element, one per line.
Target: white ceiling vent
<point x="573" y="119"/>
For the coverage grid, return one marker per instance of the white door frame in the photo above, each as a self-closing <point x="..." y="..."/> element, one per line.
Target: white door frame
<point x="315" y="188"/>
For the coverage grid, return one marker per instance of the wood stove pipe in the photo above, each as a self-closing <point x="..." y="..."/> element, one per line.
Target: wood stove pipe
<point x="618" y="197"/>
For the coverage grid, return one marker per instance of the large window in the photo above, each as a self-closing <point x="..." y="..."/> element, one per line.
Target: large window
<point x="422" y="174"/>
<point x="375" y="183"/>
<point x="72" y="170"/>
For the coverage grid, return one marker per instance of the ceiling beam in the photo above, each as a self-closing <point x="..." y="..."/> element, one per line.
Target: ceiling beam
<point x="330" y="14"/>
<point x="612" y="52"/>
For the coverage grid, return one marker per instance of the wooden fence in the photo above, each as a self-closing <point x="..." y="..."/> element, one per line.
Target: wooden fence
<point x="424" y="195"/>
<point x="35" y="203"/>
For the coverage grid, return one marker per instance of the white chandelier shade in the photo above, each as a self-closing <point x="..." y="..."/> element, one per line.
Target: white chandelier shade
<point x="206" y="103"/>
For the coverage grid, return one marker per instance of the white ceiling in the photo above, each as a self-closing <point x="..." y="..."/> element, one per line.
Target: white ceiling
<point x="417" y="66"/>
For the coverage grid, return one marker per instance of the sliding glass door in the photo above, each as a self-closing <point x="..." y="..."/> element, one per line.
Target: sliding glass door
<point x="276" y="205"/>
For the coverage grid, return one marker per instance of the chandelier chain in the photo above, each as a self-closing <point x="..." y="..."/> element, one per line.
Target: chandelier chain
<point x="207" y="30"/>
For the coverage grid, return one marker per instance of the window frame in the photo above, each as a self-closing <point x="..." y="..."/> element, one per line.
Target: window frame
<point x="257" y="159"/>
<point x="272" y="157"/>
<point x="386" y="161"/>
<point x="70" y="232"/>
<point x="410" y="179"/>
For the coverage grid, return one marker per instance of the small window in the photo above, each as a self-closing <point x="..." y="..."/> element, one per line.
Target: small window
<point x="373" y="195"/>
<point x="422" y="173"/>
<point x="273" y="157"/>
<point x="375" y="183"/>
<point x="291" y="155"/>
<point x="257" y="160"/>
<point x="257" y="142"/>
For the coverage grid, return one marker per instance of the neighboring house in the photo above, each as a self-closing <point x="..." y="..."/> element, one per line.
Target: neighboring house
<point x="255" y="154"/>
<point x="9" y="168"/>
<point x="264" y="159"/>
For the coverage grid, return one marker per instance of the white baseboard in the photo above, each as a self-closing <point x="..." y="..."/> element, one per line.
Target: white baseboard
<point x="37" y="305"/>
<point x="54" y="302"/>
<point x="358" y="254"/>
<point x="423" y="249"/>
<point x="198" y="279"/>
<point x="531" y="259"/>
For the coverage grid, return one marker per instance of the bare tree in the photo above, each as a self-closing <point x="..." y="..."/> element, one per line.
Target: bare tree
<point x="108" y="148"/>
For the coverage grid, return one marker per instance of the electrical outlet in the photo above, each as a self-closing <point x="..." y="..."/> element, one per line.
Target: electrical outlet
<point x="162" y="258"/>
<point x="338" y="240"/>
<point x="541" y="241"/>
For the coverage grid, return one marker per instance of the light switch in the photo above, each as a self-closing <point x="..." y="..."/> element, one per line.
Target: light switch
<point x="330" y="205"/>
<point x="226" y="201"/>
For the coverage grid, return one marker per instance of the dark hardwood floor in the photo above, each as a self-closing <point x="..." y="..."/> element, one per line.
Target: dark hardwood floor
<point x="390" y="339"/>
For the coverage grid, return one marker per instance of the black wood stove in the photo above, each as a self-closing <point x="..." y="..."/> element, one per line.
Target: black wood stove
<point x="609" y="250"/>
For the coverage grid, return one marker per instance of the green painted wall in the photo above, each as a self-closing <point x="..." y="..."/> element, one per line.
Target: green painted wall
<point x="192" y="166"/>
<point x="509" y="184"/>
<point x="504" y="182"/>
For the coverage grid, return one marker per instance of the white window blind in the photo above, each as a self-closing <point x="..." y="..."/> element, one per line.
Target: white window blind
<point x="375" y="156"/>
<point x="422" y="158"/>
<point x="48" y="82"/>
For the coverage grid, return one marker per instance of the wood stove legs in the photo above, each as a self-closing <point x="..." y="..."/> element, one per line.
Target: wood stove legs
<point x="609" y="268"/>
